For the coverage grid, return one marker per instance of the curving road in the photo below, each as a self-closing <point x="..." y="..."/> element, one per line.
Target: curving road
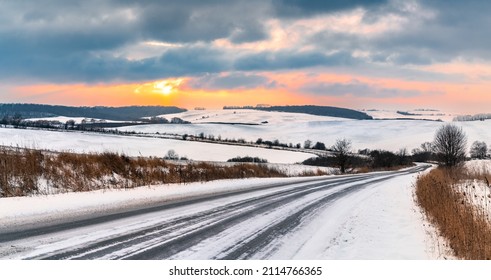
<point x="251" y="224"/>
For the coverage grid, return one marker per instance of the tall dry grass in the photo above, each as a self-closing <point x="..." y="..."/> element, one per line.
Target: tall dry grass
<point x="442" y="195"/>
<point x="26" y="172"/>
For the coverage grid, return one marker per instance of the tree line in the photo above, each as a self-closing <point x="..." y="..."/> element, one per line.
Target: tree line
<point x="447" y="149"/>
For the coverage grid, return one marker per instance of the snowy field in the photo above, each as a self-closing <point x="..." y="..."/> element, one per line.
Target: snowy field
<point x="138" y="146"/>
<point x="296" y="128"/>
<point x="286" y="127"/>
<point x="246" y="116"/>
<point x="412" y="114"/>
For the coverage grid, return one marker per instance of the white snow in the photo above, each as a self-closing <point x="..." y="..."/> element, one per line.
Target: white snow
<point x="286" y="127"/>
<point x="138" y="146"/>
<point x="64" y="119"/>
<point x="373" y="134"/>
<point x="246" y="116"/>
<point x="379" y="222"/>
<point x="416" y="114"/>
<point x="22" y="210"/>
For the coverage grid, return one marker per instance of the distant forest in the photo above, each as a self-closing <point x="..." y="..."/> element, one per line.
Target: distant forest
<point x="128" y="113"/>
<point x="468" y="118"/>
<point x="319" y="111"/>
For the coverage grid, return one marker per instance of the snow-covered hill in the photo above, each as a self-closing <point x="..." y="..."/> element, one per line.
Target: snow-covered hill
<point x="138" y="146"/>
<point x="385" y="133"/>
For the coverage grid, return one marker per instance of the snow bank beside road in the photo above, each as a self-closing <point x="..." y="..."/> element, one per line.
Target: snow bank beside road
<point x="25" y="210"/>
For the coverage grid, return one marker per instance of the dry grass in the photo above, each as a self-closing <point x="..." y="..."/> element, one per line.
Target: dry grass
<point x="441" y="194"/>
<point x="26" y="172"/>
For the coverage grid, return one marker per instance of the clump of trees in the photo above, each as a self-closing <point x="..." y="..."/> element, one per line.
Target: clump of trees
<point x="479" y="150"/>
<point x="424" y="153"/>
<point x="248" y="159"/>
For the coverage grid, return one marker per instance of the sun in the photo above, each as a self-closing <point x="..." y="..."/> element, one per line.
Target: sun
<point x="166" y="87"/>
<point x="163" y="87"/>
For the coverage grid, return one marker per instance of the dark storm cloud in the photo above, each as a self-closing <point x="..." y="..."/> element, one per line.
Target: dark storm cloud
<point x="292" y="60"/>
<point x="358" y="89"/>
<point x="84" y="67"/>
<point x="67" y="41"/>
<point x="302" y="8"/>
<point x="72" y="41"/>
<point x="453" y="29"/>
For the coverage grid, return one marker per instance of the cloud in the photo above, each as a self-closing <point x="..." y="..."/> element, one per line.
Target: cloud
<point x="232" y="81"/>
<point x="66" y="41"/>
<point x="358" y="89"/>
<point x="303" y="8"/>
<point x="291" y="60"/>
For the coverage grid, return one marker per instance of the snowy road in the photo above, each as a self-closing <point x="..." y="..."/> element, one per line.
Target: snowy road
<point x="345" y="217"/>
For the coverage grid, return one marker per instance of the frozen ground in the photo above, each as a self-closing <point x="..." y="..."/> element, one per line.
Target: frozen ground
<point x="412" y="114"/>
<point x="138" y="146"/>
<point x="296" y="128"/>
<point x="367" y="216"/>
<point x="373" y="134"/>
<point x="246" y="116"/>
<point x="63" y="119"/>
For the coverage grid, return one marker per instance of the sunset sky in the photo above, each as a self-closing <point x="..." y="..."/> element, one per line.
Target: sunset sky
<point x="188" y="53"/>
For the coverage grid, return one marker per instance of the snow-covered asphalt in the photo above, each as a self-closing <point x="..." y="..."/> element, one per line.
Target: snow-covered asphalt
<point x="329" y="218"/>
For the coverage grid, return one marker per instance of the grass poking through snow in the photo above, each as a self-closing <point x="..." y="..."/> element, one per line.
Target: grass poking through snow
<point x="27" y="172"/>
<point x="447" y="198"/>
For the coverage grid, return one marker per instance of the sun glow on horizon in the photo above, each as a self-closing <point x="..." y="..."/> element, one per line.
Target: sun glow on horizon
<point x="164" y="87"/>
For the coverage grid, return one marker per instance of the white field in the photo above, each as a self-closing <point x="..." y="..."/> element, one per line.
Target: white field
<point x="428" y="115"/>
<point x="63" y="119"/>
<point x="286" y="127"/>
<point x="296" y="128"/>
<point x="138" y="146"/>
<point x="245" y="116"/>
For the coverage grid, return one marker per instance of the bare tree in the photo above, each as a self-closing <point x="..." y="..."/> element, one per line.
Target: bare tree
<point x="427" y="147"/>
<point x="479" y="150"/>
<point x="450" y="145"/>
<point x="342" y="148"/>
<point x="172" y="155"/>
<point x="307" y="144"/>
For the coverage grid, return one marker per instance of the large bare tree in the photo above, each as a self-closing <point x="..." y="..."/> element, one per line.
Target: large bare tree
<point x="342" y="148"/>
<point x="450" y="145"/>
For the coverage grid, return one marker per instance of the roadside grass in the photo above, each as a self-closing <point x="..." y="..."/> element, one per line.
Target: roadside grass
<point x="29" y="172"/>
<point x="446" y="196"/>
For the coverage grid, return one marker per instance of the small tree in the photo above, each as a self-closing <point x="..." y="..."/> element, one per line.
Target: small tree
<point x="307" y="144"/>
<point x="319" y="146"/>
<point x="479" y="150"/>
<point x="172" y="155"/>
<point x="450" y="145"/>
<point x="427" y="147"/>
<point x="342" y="148"/>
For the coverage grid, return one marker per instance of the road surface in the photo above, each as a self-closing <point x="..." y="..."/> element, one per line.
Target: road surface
<point x="274" y="221"/>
